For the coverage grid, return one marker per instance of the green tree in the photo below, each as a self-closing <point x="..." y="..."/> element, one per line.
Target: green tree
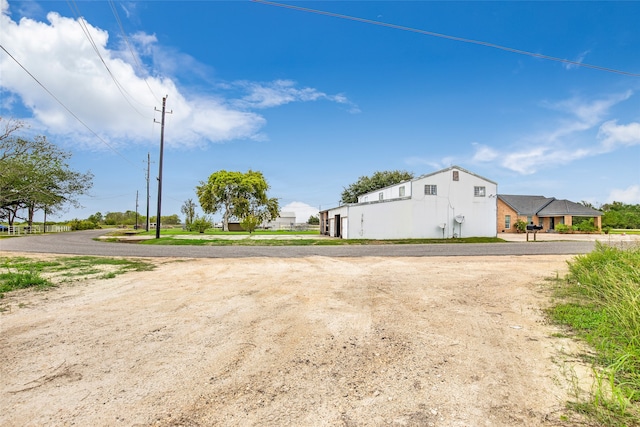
<point x="250" y="222"/>
<point x="367" y="184"/>
<point x="200" y="224"/>
<point x="172" y="219"/>
<point x="237" y="194"/>
<point x="35" y="175"/>
<point x="121" y="218"/>
<point x="96" y="218"/>
<point x="313" y="220"/>
<point x="621" y="215"/>
<point x="189" y="211"/>
<point x="253" y="211"/>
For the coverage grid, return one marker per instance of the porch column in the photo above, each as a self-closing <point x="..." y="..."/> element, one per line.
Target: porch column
<point x="597" y="221"/>
<point x="568" y="220"/>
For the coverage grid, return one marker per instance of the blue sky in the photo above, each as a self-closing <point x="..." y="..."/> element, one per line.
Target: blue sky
<point x="314" y="100"/>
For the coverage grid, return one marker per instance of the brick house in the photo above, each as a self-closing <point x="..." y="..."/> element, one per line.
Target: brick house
<point x="546" y="212"/>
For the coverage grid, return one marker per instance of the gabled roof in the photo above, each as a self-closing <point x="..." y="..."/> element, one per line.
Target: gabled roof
<point x="546" y="206"/>
<point x="525" y="205"/>
<point x="424" y="176"/>
<point x="566" y="207"/>
<point x="453" y="168"/>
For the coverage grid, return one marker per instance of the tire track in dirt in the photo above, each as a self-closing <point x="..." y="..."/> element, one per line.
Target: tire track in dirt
<point x="274" y="342"/>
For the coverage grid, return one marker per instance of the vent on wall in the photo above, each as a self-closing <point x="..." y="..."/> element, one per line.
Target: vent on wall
<point x="456" y="175"/>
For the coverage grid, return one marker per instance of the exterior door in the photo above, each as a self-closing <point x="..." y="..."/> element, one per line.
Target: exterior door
<point x="338" y="224"/>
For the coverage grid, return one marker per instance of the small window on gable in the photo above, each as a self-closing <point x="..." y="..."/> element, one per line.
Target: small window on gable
<point x="456" y="175"/>
<point x="479" y="191"/>
<point x="380" y="196"/>
<point x="401" y="191"/>
<point x="431" y="190"/>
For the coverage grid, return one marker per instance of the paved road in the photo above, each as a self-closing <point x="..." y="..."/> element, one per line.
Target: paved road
<point x="82" y="243"/>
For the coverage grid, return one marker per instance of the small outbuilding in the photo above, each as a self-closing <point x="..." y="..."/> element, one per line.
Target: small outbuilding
<point x="452" y="202"/>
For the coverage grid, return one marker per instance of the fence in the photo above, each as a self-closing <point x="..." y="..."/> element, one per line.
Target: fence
<point x="15" y="230"/>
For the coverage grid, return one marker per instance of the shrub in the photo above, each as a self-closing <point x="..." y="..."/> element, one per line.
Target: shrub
<point x="250" y="223"/>
<point x="200" y="224"/>
<point x="562" y="228"/>
<point x="85" y="224"/>
<point x="521" y="226"/>
<point x="584" y="225"/>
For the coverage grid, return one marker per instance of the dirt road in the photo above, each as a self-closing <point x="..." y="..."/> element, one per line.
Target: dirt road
<point x="290" y="342"/>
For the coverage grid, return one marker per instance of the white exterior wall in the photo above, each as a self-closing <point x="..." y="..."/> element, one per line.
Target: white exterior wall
<point x="343" y="212"/>
<point x="284" y="220"/>
<point x="382" y="220"/>
<point x="454" y="198"/>
<point x="421" y="215"/>
<point x="388" y="193"/>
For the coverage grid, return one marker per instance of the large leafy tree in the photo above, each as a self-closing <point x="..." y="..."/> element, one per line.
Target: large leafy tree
<point x="35" y="175"/>
<point x="367" y="184"/>
<point x="621" y="215"/>
<point x="237" y="194"/>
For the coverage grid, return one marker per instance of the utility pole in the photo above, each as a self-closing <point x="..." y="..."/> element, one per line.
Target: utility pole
<point x="164" y="103"/>
<point x="146" y="228"/>
<point x="136" y="227"/>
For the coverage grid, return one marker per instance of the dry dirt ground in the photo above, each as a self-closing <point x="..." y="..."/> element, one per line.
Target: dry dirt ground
<point x="458" y="341"/>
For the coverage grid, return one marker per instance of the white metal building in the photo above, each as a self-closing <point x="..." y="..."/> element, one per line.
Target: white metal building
<point x="449" y="203"/>
<point x="284" y="221"/>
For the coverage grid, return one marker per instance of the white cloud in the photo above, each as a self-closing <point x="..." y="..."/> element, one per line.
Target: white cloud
<point x="484" y="153"/>
<point x="629" y="195"/>
<point x="613" y="134"/>
<point x="562" y="144"/>
<point x="302" y="210"/>
<point x="281" y="92"/>
<point x="445" y="162"/>
<point x="120" y="104"/>
<point x="579" y="60"/>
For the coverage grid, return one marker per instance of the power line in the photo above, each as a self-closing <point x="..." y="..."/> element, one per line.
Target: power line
<point x="444" y="36"/>
<point x="133" y="54"/>
<point x="87" y="33"/>
<point x="65" y="107"/>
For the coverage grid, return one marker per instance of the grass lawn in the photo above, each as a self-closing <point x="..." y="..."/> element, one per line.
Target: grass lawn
<point x="213" y="232"/>
<point x="307" y="242"/>
<point x="623" y="231"/>
<point x="23" y="272"/>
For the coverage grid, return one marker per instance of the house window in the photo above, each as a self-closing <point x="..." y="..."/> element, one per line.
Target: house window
<point x="479" y="191"/>
<point x="380" y="196"/>
<point x="507" y="222"/>
<point x="401" y="191"/>
<point x="456" y="175"/>
<point x="431" y="190"/>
